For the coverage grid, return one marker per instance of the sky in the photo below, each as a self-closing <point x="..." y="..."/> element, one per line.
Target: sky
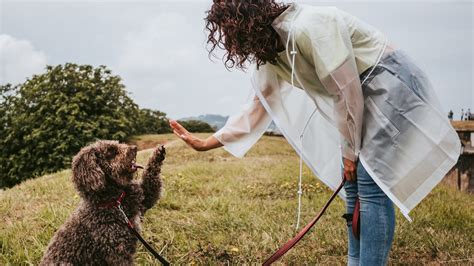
<point x="159" y="49"/>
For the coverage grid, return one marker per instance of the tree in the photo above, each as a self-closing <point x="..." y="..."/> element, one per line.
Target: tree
<point x="6" y="111"/>
<point x="46" y="120"/>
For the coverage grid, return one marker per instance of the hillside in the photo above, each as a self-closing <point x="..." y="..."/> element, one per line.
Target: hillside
<point x="217" y="209"/>
<point x="218" y="121"/>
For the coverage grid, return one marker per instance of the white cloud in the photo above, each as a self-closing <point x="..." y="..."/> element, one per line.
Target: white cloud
<point x="162" y="45"/>
<point x="19" y="60"/>
<point x="164" y="63"/>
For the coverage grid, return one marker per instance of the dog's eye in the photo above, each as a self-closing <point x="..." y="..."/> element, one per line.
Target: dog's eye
<point x="111" y="153"/>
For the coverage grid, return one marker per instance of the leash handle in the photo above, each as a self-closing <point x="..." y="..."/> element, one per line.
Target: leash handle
<point x="292" y="242"/>
<point x="356" y="219"/>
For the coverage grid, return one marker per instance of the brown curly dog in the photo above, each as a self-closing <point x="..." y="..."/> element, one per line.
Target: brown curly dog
<point x="96" y="234"/>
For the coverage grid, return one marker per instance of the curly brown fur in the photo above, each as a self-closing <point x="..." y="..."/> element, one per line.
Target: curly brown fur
<point x="98" y="235"/>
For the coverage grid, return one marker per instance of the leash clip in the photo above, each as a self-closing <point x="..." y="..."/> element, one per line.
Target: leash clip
<point x="119" y="207"/>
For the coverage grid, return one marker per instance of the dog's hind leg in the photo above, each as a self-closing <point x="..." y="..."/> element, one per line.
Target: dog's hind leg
<point x="151" y="183"/>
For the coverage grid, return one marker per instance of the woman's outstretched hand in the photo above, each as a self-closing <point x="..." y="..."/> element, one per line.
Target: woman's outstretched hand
<point x="187" y="137"/>
<point x="193" y="141"/>
<point x="350" y="170"/>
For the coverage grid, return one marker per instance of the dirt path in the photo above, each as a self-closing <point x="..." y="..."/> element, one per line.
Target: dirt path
<point x="146" y="145"/>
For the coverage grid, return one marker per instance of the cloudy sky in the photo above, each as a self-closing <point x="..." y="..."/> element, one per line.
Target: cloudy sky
<point x="158" y="47"/>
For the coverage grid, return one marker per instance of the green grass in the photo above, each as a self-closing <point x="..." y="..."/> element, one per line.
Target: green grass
<point x="217" y="209"/>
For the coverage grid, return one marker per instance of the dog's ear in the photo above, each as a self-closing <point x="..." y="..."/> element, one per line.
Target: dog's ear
<point x="86" y="173"/>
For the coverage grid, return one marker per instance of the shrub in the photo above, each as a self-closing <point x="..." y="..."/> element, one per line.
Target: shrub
<point x="152" y="122"/>
<point x="46" y="120"/>
<point x="196" y="126"/>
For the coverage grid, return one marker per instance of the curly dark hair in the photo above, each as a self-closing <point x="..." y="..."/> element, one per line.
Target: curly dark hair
<point x="243" y="28"/>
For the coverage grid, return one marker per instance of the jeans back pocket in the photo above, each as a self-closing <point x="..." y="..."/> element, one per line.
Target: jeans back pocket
<point x="379" y="117"/>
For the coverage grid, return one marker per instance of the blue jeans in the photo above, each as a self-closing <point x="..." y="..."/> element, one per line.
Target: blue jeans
<point x="377" y="221"/>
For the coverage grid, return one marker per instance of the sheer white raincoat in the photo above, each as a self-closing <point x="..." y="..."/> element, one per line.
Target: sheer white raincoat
<point x="404" y="141"/>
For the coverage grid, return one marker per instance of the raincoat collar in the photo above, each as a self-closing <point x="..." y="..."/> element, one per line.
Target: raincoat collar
<point x="282" y="23"/>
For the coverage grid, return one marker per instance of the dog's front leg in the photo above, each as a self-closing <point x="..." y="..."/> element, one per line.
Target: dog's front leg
<point x="151" y="178"/>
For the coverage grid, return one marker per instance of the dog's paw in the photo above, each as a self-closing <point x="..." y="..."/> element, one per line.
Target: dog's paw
<point x="159" y="154"/>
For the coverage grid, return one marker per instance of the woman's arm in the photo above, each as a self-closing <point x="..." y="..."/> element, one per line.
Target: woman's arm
<point x="238" y="135"/>
<point x="194" y="142"/>
<point x="329" y="45"/>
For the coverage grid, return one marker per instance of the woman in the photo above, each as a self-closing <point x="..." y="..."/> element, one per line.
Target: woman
<point x="336" y="89"/>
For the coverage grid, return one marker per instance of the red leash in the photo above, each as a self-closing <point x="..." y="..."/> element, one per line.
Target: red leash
<point x="356" y="219"/>
<point x="290" y="244"/>
<point x="118" y="204"/>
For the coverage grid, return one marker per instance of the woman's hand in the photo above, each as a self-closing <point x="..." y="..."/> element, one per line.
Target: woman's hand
<point x="350" y="170"/>
<point x="187" y="137"/>
<point x="194" y="142"/>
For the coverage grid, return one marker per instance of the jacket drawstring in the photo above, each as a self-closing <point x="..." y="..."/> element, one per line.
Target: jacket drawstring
<point x="293" y="54"/>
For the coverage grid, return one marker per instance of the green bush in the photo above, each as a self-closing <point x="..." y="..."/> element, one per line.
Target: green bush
<point x="196" y="126"/>
<point x="152" y="122"/>
<point x="46" y="120"/>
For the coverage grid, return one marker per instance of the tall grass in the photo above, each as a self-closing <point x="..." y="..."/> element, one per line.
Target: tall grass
<point x="217" y="209"/>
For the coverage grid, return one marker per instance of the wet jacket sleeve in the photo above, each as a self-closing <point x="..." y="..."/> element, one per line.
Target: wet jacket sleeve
<point x="335" y="66"/>
<point x="244" y="129"/>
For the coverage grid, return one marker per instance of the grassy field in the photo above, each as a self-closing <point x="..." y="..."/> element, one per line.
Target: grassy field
<point x="217" y="209"/>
